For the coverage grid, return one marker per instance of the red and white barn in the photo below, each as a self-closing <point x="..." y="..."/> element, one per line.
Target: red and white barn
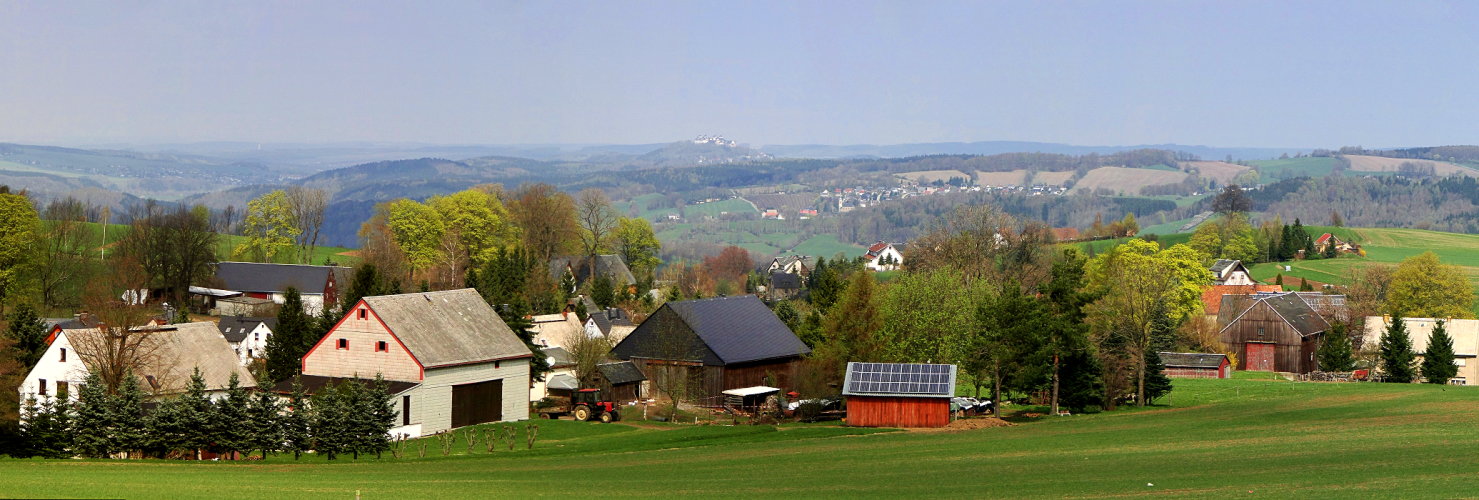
<point x="898" y="394"/>
<point x="1196" y="365"/>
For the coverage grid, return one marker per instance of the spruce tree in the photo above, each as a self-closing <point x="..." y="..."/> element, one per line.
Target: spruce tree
<point x="46" y="427"/>
<point x="1335" y="350"/>
<point x="358" y="417"/>
<point x="297" y="421"/>
<point x="127" y="411"/>
<point x="1437" y="364"/>
<point x="381" y="416"/>
<point x="1157" y="384"/>
<point x="197" y="416"/>
<point x="264" y="424"/>
<point x="365" y="283"/>
<point x="230" y="422"/>
<point x="601" y="291"/>
<point x="285" y="347"/>
<point x="524" y="329"/>
<point x="27" y="333"/>
<point x="330" y="422"/>
<point x="94" y="420"/>
<point x="166" y="430"/>
<point x="1080" y="380"/>
<point x="1396" y="353"/>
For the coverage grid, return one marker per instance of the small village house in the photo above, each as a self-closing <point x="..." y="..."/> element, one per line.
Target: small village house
<point x="468" y="366"/>
<point x="1464" y="332"/>
<point x="560" y="377"/>
<point x="721" y="343"/>
<point x="883" y="256"/>
<point x="556" y="330"/>
<point x="579" y="269"/>
<point x="1230" y="272"/>
<point x="898" y="394"/>
<point x="247" y="336"/>
<point x="620" y="381"/>
<point x="611" y="323"/>
<point x="1196" y="365"/>
<point x="174" y="353"/>
<point x="790" y="264"/>
<point x="1342" y="246"/>
<point x="316" y="284"/>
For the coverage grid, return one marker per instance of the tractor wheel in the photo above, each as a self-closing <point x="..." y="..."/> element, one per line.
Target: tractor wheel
<point x="615" y="415"/>
<point x="581" y="413"/>
<point x="607" y="417"/>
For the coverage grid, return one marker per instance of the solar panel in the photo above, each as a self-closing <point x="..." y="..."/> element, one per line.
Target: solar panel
<point x="899" y="379"/>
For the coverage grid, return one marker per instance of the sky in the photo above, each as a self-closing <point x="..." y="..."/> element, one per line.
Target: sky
<point x="1246" y="74"/>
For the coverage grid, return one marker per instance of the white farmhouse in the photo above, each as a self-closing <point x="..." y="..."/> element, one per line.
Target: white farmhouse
<point x="883" y="256"/>
<point x="177" y="351"/>
<point x="247" y="336"/>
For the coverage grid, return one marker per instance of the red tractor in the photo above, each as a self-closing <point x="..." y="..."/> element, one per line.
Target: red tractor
<point x="585" y="404"/>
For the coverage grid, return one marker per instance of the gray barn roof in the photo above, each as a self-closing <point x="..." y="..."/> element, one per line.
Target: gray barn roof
<point x="1294" y="309"/>
<point x="1192" y="359"/>
<point x="785" y="281"/>
<point x="624" y="372"/>
<point x="254" y="277"/>
<point x="448" y="328"/>
<point x="734" y="329"/>
<point x="180" y="349"/>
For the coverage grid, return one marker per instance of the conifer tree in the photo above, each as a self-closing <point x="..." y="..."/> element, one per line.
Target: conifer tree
<point x="524" y="329"/>
<point x="1157" y="384"/>
<point x="230" y="419"/>
<point x="45" y="428"/>
<point x="331" y="426"/>
<point x="94" y="422"/>
<point x="297" y="421"/>
<point x="1335" y="350"/>
<point x="381" y="416"/>
<point x="166" y="430"/>
<point x="1437" y="364"/>
<point x="1396" y="353"/>
<point x="264" y="424"/>
<point x="358" y="417"/>
<point x="128" y="416"/>
<point x="27" y="333"/>
<point x="197" y="415"/>
<point x="286" y="346"/>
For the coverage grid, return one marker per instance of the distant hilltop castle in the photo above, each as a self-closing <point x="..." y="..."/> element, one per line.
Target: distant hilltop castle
<point x="715" y="139"/>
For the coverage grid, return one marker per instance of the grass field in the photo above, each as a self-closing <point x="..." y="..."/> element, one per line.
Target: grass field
<point x="1273" y="170"/>
<point x="1246" y="437"/>
<point x="1127" y="181"/>
<point x="226" y="243"/>
<point x="826" y="245"/>
<point x="715" y="208"/>
<point x="1383" y="246"/>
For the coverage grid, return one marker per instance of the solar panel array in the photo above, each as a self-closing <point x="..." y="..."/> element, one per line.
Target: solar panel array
<point x="900" y="379"/>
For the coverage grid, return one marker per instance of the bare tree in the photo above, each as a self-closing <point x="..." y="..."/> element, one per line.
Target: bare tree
<point x="119" y="346"/>
<point x="588" y="352"/>
<point x="63" y="246"/>
<point x="597" y="221"/>
<point x="307" y="206"/>
<point x="677" y="370"/>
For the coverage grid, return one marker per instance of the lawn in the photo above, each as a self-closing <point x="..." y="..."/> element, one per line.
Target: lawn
<point x="1246" y="437"/>
<point x="716" y="208"/>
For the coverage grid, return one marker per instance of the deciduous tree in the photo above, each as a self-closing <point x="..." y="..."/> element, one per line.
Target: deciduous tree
<point x="418" y="231"/>
<point x="1424" y="287"/>
<point x="19" y="225"/>
<point x="638" y="246"/>
<point x="306" y="206"/>
<point x="270" y="229"/>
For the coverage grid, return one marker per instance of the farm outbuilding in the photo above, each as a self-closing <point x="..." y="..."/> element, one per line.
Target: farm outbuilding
<point x="1272" y="332"/>
<point x="1196" y="365"/>
<point x="898" y="394"/>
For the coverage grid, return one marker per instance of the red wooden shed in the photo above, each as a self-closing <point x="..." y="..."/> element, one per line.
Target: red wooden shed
<point x="898" y="394"/>
<point x="1196" y="365"/>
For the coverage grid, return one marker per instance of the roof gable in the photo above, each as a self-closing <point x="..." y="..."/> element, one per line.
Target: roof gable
<point x="738" y="329"/>
<point x="447" y="328"/>
<point x="236" y="328"/>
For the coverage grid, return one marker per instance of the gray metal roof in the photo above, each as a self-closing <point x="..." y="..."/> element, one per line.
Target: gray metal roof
<point x="255" y="277"/>
<point x="910" y="380"/>
<point x="1192" y="359"/>
<point x="621" y="373"/>
<point x="313" y="384"/>
<point x="731" y="329"/>
<point x="448" y="327"/>
<point x="558" y="357"/>
<point x="180" y="350"/>
<point x="1294" y="309"/>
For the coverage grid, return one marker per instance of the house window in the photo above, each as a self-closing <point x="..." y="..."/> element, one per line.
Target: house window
<point x="496" y="363"/>
<point x="249" y="353"/>
<point x="363" y="314"/>
<point x="343" y="344"/>
<point x="64" y="355"/>
<point x="405" y="410"/>
<point x="41" y="387"/>
<point x="381" y="346"/>
<point x="257" y="336"/>
<point x="61" y="389"/>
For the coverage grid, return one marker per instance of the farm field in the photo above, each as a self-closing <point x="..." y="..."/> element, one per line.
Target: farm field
<point x="1295" y="167"/>
<point x="1012" y="178"/>
<point x="1127" y="181"/>
<point x="1222" y="171"/>
<point x="826" y="245"/>
<point x="1366" y="164"/>
<point x="227" y="242"/>
<point x="930" y="176"/>
<point x="716" y="208"/>
<point x="1308" y="440"/>
<point x="1053" y="178"/>
<point x="1383" y="246"/>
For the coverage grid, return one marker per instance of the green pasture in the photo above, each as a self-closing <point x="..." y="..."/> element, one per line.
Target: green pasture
<point x="226" y="243"/>
<point x="826" y="245"/>
<point x="1273" y="170"/>
<point x="1248" y="437"/>
<point x="715" y="208"/>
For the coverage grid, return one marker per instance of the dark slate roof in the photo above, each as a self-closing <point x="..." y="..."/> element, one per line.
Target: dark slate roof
<point x="85" y="321"/>
<point x="621" y="373"/>
<point x="254" y="277"/>
<point x="1222" y="265"/>
<point x="785" y="281"/>
<point x="605" y="318"/>
<point x="735" y="330"/>
<point x="1192" y="359"/>
<point x="235" y="328"/>
<point x="313" y="384"/>
<point x="448" y="328"/>
<point x="1295" y="311"/>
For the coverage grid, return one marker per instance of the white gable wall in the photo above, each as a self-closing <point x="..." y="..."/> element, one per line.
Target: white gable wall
<point x="52" y="369"/>
<point x="431" y="402"/>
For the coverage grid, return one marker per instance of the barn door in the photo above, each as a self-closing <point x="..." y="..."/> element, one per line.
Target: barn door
<point x="477" y="403"/>
<point x="1260" y="357"/>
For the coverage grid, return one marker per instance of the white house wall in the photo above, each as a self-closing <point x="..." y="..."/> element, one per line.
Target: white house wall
<point x="431" y="402"/>
<point x="51" y="369"/>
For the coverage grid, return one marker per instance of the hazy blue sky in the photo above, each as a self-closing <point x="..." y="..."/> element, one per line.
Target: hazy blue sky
<point x="1231" y="73"/>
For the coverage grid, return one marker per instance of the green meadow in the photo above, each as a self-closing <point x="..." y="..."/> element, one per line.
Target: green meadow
<point x="1249" y="437"/>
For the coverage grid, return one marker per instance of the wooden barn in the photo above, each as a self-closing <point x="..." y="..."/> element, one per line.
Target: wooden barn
<point x="718" y="344"/>
<point x="898" y="394"/>
<point x="1272" y="332"/>
<point x="620" y="382"/>
<point x="1196" y="365"/>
